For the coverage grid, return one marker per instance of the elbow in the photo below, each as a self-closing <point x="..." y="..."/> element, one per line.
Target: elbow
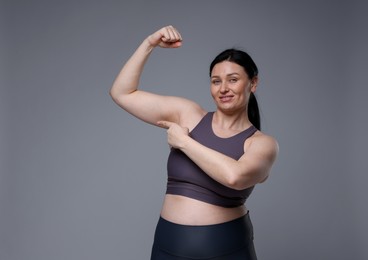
<point x="115" y="91"/>
<point x="112" y="94"/>
<point x="236" y="182"/>
<point x="118" y="96"/>
<point x="115" y="96"/>
<point x="241" y="182"/>
<point x="232" y="179"/>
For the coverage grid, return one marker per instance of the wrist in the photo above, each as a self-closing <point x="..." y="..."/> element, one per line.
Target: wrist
<point x="185" y="142"/>
<point x="148" y="43"/>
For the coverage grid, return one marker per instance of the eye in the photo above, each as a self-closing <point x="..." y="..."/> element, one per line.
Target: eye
<point x="233" y="80"/>
<point x="216" y="82"/>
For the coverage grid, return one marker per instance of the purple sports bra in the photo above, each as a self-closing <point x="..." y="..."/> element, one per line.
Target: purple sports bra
<point x="185" y="178"/>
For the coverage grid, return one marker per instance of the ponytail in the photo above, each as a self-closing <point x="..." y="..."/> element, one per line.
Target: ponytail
<point x="253" y="111"/>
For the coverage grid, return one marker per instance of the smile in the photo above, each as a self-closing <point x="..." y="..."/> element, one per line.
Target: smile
<point x="226" y="98"/>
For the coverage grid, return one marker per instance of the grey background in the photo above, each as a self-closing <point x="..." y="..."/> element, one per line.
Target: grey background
<point x="81" y="179"/>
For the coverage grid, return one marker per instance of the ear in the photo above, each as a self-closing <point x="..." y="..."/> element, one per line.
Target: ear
<point x="253" y="84"/>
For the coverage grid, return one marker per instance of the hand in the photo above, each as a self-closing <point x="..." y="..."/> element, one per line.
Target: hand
<point x="166" y="37"/>
<point x="176" y="134"/>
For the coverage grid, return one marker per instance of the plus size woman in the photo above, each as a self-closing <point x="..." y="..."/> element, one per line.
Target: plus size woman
<point x="216" y="157"/>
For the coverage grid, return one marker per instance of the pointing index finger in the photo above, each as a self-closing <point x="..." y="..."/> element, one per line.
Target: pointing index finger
<point x="164" y="124"/>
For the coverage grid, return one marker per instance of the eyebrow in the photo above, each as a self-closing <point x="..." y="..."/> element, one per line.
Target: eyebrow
<point x="228" y="75"/>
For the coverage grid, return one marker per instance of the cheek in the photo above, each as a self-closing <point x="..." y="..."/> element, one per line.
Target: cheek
<point x="245" y="93"/>
<point x="212" y="91"/>
<point x="242" y="89"/>
<point x="247" y="89"/>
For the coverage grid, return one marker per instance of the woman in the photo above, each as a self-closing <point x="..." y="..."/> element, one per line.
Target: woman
<point x="216" y="158"/>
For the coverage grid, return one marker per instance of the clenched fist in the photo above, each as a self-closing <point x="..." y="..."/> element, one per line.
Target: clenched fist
<point x="166" y="37"/>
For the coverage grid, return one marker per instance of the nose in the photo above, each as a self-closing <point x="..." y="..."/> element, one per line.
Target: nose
<point x="223" y="88"/>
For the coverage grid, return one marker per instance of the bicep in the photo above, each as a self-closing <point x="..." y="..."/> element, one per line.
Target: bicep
<point x="151" y="107"/>
<point x="258" y="159"/>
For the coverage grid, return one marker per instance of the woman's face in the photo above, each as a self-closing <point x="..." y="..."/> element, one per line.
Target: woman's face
<point x="231" y="86"/>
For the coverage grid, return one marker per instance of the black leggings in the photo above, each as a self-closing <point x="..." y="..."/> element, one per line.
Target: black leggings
<point x="231" y="240"/>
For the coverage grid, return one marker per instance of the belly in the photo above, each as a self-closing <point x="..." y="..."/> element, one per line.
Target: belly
<point x="187" y="211"/>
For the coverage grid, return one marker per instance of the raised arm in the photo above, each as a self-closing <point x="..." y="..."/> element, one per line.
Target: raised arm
<point x="147" y="106"/>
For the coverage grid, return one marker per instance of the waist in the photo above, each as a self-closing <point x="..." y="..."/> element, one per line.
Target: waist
<point x="206" y="241"/>
<point x="187" y="211"/>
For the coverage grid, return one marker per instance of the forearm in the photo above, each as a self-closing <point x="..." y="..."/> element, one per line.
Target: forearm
<point x="218" y="166"/>
<point x="236" y="174"/>
<point x="127" y="80"/>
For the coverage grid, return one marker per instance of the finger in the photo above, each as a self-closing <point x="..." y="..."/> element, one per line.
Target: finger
<point x="180" y="37"/>
<point x="176" y="34"/>
<point x="167" y="35"/>
<point x="171" y="34"/>
<point x="164" y="124"/>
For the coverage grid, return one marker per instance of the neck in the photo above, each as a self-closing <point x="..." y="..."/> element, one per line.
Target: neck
<point x="236" y="121"/>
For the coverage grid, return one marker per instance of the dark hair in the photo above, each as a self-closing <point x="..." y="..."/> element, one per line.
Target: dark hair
<point x="243" y="59"/>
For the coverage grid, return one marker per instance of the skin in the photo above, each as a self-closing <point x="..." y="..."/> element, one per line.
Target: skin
<point x="230" y="90"/>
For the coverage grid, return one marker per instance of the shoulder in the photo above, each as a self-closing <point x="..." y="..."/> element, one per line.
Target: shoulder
<point x="263" y="145"/>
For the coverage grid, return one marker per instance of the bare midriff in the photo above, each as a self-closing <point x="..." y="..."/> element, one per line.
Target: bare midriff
<point x="186" y="211"/>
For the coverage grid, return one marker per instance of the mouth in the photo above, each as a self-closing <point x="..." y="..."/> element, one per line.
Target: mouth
<point x="226" y="98"/>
